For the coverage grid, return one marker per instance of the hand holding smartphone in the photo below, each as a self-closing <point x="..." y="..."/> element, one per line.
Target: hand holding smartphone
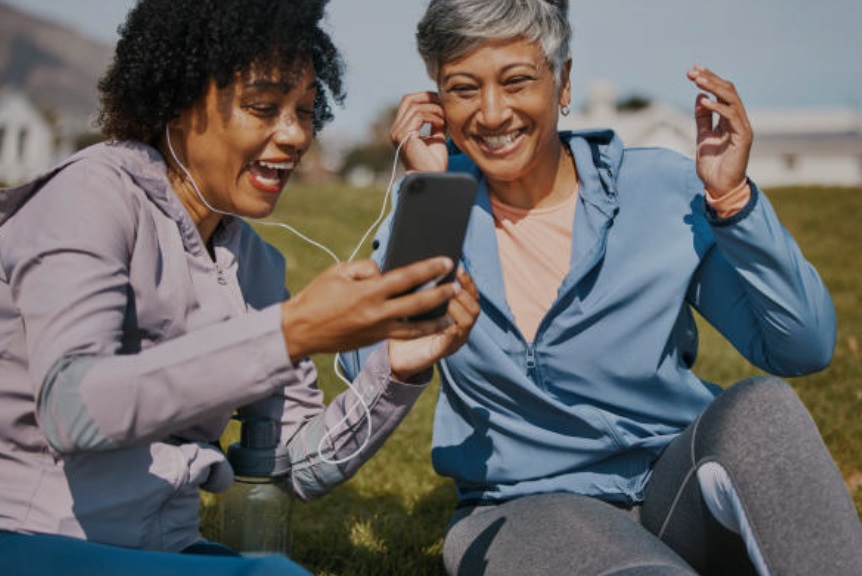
<point x="430" y="220"/>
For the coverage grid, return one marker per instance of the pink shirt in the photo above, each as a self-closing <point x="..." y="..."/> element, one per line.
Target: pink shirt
<point x="535" y="248"/>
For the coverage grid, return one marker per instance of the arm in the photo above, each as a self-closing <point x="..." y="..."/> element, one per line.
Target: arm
<point x="100" y="379"/>
<point x="328" y="444"/>
<point x="755" y="286"/>
<point x="98" y="390"/>
<point x="757" y="289"/>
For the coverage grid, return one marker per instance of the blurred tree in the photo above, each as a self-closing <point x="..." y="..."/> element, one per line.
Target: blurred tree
<point x="373" y="158"/>
<point x="633" y="103"/>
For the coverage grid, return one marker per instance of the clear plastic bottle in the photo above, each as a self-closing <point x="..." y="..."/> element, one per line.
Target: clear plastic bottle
<point x="256" y="508"/>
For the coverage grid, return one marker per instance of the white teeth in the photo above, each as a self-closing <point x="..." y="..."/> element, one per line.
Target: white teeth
<point x="499" y="141"/>
<point x="268" y="181"/>
<point x="277" y="166"/>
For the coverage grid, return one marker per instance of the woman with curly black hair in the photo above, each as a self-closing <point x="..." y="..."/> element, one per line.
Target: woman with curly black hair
<point x="139" y="312"/>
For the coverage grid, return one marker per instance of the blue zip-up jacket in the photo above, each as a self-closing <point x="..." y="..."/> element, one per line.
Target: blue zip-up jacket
<point x="607" y="383"/>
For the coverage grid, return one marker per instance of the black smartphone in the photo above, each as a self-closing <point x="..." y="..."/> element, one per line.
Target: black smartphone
<point x="430" y="220"/>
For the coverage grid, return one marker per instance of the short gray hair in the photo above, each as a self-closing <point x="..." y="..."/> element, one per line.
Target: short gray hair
<point x="451" y="28"/>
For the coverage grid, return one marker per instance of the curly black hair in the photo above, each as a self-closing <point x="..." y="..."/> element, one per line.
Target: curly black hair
<point x="170" y="50"/>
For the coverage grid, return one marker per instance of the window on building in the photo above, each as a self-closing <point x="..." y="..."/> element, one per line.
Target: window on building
<point x="2" y="139"/>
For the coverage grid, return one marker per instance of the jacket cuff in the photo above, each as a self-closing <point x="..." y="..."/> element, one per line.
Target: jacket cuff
<point x="715" y="219"/>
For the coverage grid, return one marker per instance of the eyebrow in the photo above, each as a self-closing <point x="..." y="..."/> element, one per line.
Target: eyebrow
<point x="506" y="68"/>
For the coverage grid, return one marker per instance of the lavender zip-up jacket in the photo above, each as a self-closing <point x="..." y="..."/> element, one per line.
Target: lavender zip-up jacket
<point x="125" y="348"/>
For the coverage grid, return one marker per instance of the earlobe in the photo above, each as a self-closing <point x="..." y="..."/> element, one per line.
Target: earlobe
<point x="566" y="84"/>
<point x="175" y="125"/>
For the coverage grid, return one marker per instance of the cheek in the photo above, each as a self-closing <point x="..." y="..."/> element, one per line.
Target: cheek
<point x="227" y="149"/>
<point x="457" y="114"/>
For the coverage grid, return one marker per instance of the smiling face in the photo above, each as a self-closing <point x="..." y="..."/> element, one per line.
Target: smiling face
<point x="241" y="143"/>
<point x="501" y="102"/>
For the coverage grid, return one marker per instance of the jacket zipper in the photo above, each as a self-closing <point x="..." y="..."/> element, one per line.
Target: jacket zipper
<point x="531" y="358"/>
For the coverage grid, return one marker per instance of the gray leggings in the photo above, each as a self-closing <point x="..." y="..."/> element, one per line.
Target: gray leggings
<point x="801" y="518"/>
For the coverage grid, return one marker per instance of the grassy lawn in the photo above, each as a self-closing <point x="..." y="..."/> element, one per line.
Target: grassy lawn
<point x="390" y="518"/>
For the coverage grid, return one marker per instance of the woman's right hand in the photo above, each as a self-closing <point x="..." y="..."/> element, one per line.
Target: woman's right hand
<point x="353" y="305"/>
<point x="425" y="153"/>
<point x="409" y="357"/>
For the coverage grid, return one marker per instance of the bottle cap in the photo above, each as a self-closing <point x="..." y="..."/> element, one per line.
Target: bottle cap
<point x="257" y="454"/>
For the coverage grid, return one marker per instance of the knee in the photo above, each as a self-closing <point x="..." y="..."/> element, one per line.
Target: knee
<point x="759" y="410"/>
<point x="760" y="390"/>
<point x="757" y="397"/>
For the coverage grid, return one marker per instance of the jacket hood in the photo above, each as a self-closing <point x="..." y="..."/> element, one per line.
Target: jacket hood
<point x="606" y="146"/>
<point x="598" y="157"/>
<point x="138" y="161"/>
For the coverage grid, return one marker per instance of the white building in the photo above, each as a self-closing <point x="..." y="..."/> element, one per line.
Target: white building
<point x="807" y="147"/>
<point x="27" y="140"/>
<point x="791" y="147"/>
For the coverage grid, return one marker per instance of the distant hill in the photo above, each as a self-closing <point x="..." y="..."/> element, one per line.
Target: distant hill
<point x="56" y="67"/>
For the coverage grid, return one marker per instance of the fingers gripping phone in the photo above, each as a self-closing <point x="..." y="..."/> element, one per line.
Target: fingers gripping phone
<point x="430" y="220"/>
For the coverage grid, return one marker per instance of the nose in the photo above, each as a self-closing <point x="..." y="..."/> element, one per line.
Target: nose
<point x="292" y="132"/>
<point x="495" y="110"/>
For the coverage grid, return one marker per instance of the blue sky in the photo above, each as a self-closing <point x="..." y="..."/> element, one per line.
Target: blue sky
<point x="780" y="53"/>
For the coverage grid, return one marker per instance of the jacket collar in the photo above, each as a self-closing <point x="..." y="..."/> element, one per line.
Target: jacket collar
<point x="598" y="157"/>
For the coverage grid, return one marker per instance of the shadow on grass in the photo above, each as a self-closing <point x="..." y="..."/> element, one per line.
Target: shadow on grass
<point x="348" y="533"/>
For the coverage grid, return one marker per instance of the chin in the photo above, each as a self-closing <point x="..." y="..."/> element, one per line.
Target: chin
<point x="264" y="212"/>
<point x="256" y="209"/>
<point x="500" y="171"/>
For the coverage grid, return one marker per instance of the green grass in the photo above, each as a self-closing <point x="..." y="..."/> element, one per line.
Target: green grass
<point x="390" y="518"/>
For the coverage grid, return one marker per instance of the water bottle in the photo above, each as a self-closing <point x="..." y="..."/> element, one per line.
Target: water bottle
<point x="256" y="508"/>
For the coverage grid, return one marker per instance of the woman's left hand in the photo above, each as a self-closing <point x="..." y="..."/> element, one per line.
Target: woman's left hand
<point x="723" y="147"/>
<point x="409" y="357"/>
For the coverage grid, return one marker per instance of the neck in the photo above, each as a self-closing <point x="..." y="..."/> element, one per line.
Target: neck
<point x="205" y="220"/>
<point x="548" y="183"/>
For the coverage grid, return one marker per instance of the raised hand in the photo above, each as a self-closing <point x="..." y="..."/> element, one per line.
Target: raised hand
<point x="723" y="146"/>
<point x="421" y="152"/>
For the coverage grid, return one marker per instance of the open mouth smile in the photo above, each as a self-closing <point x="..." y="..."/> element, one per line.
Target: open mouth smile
<point x="270" y="176"/>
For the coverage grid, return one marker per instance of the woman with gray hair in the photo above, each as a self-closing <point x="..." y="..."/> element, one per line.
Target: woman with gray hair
<point x="579" y="438"/>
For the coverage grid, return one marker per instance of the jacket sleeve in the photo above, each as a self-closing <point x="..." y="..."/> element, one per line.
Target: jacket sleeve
<point x="71" y="284"/>
<point x="328" y="444"/>
<point x="67" y="258"/>
<point x="758" y="290"/>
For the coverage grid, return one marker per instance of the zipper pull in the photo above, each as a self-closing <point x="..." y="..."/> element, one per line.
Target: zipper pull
<point x="531" y="358"/>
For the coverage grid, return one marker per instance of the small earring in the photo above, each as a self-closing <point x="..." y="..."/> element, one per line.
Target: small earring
<point x="564" y="110"/>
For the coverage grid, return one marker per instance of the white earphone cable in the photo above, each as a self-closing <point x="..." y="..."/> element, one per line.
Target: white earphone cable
<point x="336" y="367"/>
